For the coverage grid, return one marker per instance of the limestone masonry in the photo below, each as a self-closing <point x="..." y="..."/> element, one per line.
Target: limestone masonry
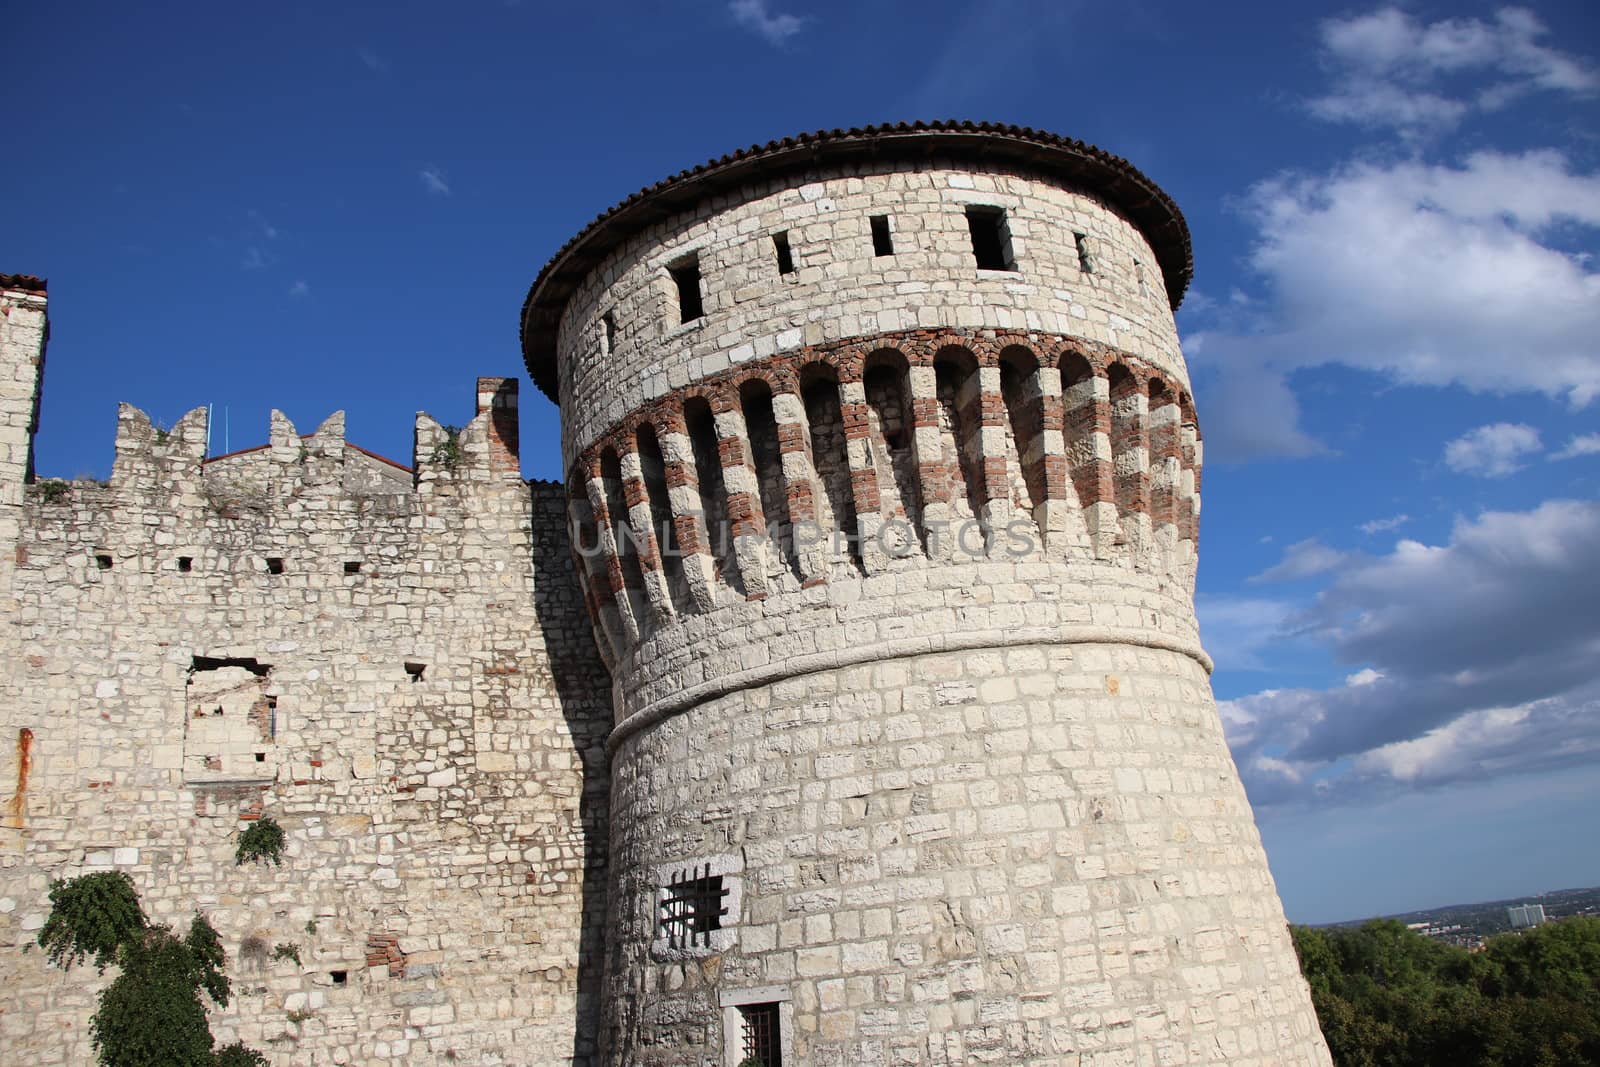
<point x="845" y="707"/>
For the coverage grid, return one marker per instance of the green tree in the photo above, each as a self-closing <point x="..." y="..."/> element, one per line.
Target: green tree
<point x="1388" y="997"/>
<point x="151" y="1015"/>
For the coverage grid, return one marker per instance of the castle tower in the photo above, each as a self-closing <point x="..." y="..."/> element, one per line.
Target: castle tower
<point x="24" y="331"/>
<point x="884" y="482"/>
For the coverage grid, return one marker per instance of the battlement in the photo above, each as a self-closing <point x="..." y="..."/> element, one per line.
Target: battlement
<point x="393" y="662"/>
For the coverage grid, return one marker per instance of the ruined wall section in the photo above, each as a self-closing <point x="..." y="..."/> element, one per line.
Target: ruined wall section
<point x="404" y="680"/>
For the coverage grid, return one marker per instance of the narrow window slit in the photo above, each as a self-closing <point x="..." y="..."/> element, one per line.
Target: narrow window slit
<point x="882" y="240"/>
<point x="185" y="564"/>
<point x="609" y="323"/>
<point x="1085" y="260"/>
<point x="686" y="276"/>
<point x="780" y="245"/>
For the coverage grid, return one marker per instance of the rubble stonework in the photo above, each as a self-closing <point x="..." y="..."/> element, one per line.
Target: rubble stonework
<point x="392" y="665"/>
<point x="847" y="701"/>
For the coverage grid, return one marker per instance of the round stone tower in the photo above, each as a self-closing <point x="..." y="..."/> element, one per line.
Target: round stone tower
<point x="884" y="483"/>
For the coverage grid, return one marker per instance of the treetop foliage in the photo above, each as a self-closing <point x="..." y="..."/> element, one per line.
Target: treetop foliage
<point x="1388" y="997"/>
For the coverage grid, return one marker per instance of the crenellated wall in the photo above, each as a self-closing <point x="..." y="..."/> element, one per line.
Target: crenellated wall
<point x="392" y="663"/>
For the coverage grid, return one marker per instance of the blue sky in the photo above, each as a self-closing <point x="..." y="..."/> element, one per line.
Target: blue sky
<point x="1394" y="327"/>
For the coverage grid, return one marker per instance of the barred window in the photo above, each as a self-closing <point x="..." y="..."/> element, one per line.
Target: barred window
<point x="759" y="1034"/>
<point x="692" y="906"/>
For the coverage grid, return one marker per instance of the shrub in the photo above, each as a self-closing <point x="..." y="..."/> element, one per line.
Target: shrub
<point x="91" y="916"/>
<point x="151" y="1014"/>
<point x="261" y="840"/>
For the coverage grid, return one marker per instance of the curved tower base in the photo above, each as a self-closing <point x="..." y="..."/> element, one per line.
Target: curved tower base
<point x="1030" y="855"/>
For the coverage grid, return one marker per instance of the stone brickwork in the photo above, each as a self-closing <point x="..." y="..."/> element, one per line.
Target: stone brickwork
<point x="845" y="707"/>
<point x="892" y="559"/>
<point x="395" y="667"/>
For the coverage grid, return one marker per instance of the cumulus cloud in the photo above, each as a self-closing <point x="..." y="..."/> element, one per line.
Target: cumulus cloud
<point x="758" y="17"/>
<point x="1466" y="651"/>
<point x="1492" y="451"/>
<point x="1580" y="445"/>
<point x="1376" y="526"/>
<point x="1392" y="70"/>
<point x="1302" y="559"/>
<point x="1430" y="274"/>
<point x="433" y="181"/>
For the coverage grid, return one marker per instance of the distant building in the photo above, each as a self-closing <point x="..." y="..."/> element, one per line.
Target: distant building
<point x="1524" y="916"/>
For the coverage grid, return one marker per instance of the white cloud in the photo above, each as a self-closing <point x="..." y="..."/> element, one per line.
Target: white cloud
<point x="1475" y="657"/>
<point x="1581" y="445"/>
<point x="1393" y="522"/>
<point x="1430" y="274"/>
<point x="255" y="258"/>
<point x="758" y="17"/>
<point x="299" y="288"/>
<point x="433" y="181"/>
<point x="371" y="60"/>
<point x="1392" y="70"/>
<point x="1302" y="559"/>
<point x="1237" y="630"/>
<point x="1492" y="451"/>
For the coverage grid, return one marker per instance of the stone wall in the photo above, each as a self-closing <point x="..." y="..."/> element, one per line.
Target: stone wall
<point x="841" y="290"/>
<point x="916" y="759"/>
<point x="401" y="675"/>
<point x="1032" y="855"/>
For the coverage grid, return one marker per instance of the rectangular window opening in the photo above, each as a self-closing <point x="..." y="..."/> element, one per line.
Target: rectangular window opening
<point x="352" y="566"/>
<point x="991" y="239"/>
<point x="1085" y="260"/>
<point x="185" y="564"/>
<point x="693" y="906"/>
<point x="780" y="245"/>
<point x="102" y="561"/>
<point x="414" y="670"/>
<point x="261" y="757"/>
<point x="339" y="977"/>
<point x="759" y="1034"/>
<point x="882" y="240"/>
<point x="686" y="276"/>
<point x="274" y="564"/>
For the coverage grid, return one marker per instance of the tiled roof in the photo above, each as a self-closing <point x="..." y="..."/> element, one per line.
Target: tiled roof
<point x="1076" y="164"/>
<point x="25" y="282"/>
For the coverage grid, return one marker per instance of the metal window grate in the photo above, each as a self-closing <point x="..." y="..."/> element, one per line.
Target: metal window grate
<point x="760" y="1036"/>
<point x="693" y="906"/>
